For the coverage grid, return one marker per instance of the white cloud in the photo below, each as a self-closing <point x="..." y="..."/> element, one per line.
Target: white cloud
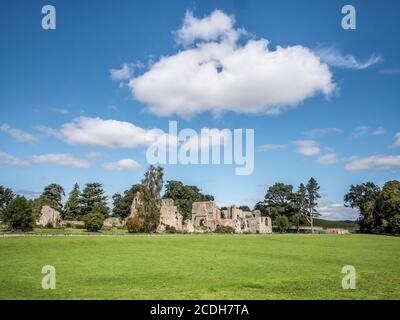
<point x="393" y="71"/>
<point x="123" y="164"/>
<point x="61" y="159"/>
<point x="307" y="147"/>
<point x="10" y="160"/>
<point x="106" y="133"/>
<point x="93" y="154"/>
<point x="219" y="74"/>
<point x="397" y="140"/>
<point x="337" y="211"/>
<point x="62" y="111"/>
<point x="379" y="132"/>
<point x="319" y="132"/>
<point x="360" y="131"/>
<point x="374" y="163"/>
<point x="269" y="147"/>
<point x="216" y="26"/>
<point x="18" y="134"/>
<point x="335" y="58"/>
<point x="327" y="159"/>
<point x="121" y="74"/>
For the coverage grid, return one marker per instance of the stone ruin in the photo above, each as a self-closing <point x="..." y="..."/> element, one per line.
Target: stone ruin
<point x="48" y="217"/>
<point x="207" y="216"/>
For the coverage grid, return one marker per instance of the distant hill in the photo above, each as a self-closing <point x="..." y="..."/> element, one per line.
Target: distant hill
<point x="335" y="224"/>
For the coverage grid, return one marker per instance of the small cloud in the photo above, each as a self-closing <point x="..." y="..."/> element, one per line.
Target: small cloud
<point x="10" y="160"/>
<point x="374" y="163"/>
<point x="327" y="159"/>
<point x="379" y="132"/>
<point x="112" y="108"/>
<point x="28" y="193"/>
<point x="60" y="110"/>
<point x="17" y="133"/>
<point x="360" y="131"/>
<point x="124" y="73"/>
<point x="390" y="72"/>
<point x="396" y="143"/>
<point x="93" y="155"/>
<point x="123" y="164"/>
<point x="61" y="159"/>
<point x="319" y="132"/>
<point x="307" y="147"/>
<point x="335" y="58"/>
<point x="48" y="131"/>
<point x="270" y="147"/>
<point x="337" y="211"/>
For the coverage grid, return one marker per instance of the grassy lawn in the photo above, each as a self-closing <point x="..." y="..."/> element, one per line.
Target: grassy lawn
<point x="201" y="267"/>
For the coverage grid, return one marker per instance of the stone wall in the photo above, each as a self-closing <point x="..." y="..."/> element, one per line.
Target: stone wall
<point x="206" y="216"/>
<point x="48" y="217"/>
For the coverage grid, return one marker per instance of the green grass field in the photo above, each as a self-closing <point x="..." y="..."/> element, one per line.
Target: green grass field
<point x="288" y="266"/>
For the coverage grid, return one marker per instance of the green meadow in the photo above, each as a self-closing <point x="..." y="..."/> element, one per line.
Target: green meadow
<point x="279" y="266"/>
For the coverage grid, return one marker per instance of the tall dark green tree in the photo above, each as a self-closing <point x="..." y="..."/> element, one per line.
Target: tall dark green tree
<point x="149" y="210"/>
<point x="6" y="195"/>
<point x="387" y="209"/>
<point x="72" y="206"/>
<point x="94" y="198"/>
<point x="184" y="196"/>
<point x="122" y="203"/>
<point x="313" y="195"/>
<point x="363" y="197"/>
<point x="18" y="214"/>
<point x="279" y="200"/>
<point x="52" y="196"/>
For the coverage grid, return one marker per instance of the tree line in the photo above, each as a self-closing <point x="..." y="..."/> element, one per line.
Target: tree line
<point x="379" y="208"/>
<point x="287" y="207"/>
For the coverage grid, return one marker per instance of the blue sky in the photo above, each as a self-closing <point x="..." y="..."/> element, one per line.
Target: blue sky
<point x="341" y="129"/>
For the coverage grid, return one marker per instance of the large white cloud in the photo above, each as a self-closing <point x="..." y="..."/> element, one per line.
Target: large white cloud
<point x="61" y="159"/>
<point x="105" y="133"/>
<point x="374" y="163"/>
<point x="218" y="73"/>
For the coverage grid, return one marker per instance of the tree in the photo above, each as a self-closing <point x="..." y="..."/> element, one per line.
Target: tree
<point x="18" y="214"/>
<point x="312" y="202"/>
<point x="386" y="214"/>
<point x="6" y="196"/>
<point x="245" y="208"/>
<point x="282" y="223"/>
<point x="94" y="221"/>
<point x="72" y="207"/>
<point x="279" y="200"/>
<point x="184" y="196"/>
<point x="52" y="196"/>
<point x="363" y="197"/>
<point x="150" y="190"/>
<point x="93" y="197"/>
<point x="123" y="203"/>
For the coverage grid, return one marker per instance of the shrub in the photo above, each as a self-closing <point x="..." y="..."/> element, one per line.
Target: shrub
<point x="169" y="229"/>
<point x="225" y="229"/>
<point x="134" y="225"/>
<point x="94" y="221"/>
<point x="282" y="223"/>
<point x="18" y="214"/>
